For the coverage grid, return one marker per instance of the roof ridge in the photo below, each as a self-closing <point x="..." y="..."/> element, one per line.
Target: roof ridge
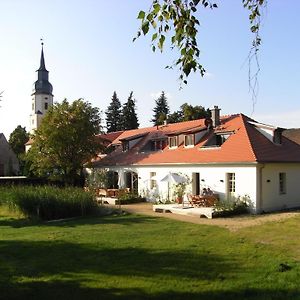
<point x="243" y="117"/>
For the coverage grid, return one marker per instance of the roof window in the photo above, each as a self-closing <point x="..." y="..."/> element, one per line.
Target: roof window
<point x="189" y="140"/>
<point x="173" y="142"/>
<point x="125" y="146"/>
<point x="157" y="145"/>
<point x="217" y="140"/>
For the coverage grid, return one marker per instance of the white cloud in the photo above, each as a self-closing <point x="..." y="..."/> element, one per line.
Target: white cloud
<point x="287" y="119"/>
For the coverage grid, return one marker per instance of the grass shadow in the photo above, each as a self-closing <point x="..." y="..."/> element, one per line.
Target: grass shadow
<point x="73" y="290"/>
<point x="114" y="218"/>
<point x="24" y="264"/>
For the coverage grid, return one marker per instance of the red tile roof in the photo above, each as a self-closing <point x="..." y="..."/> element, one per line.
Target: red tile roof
<point x="110" y="137"/>
<point x="245" y="145"/>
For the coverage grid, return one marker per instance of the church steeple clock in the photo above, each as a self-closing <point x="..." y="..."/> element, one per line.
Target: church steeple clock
<point x="42" y="97"/>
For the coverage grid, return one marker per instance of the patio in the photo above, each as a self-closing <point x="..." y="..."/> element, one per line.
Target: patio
<point x="184" y="210"/>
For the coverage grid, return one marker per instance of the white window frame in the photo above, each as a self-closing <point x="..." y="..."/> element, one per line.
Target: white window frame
<point x="153" y="182"/>
<point x="189" y="140"/>
<point x="171" y="139"/>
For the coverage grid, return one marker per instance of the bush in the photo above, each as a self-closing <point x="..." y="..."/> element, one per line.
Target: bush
<point x="231" y="207"/>
<point x="129" y="199"/>
<point x="50" y="203"/>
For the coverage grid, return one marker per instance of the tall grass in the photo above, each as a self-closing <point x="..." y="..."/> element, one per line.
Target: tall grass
<point x="48" y="202"/>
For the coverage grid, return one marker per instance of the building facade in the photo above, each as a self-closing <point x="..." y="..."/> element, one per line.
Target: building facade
<point x="9" y="163"/>
<point x="234" y="155"/>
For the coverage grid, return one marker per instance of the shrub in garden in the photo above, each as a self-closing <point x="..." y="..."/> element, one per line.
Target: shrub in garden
<point x="129" y="198"/>
<point x="50" y="203"/>
<point x="233" y="206"/>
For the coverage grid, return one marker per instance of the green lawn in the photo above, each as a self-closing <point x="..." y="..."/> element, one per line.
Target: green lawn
<point x="139" y="257"/>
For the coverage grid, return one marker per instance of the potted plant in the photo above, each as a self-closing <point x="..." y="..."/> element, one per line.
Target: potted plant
<point x="179" y="191"/>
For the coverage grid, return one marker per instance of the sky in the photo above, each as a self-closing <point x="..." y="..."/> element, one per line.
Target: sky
<point x="89" y="54"/>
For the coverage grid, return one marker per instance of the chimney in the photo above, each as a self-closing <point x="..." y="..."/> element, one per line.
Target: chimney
<point x="215" y="116"/>
<point x="277" y="136"/>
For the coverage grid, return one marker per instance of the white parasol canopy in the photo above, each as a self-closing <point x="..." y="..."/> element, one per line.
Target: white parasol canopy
<point x="173" y="178"/>
<point x="121" y="182"/>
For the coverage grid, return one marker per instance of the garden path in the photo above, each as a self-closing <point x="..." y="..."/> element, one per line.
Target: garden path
<point x="232" y="223"/>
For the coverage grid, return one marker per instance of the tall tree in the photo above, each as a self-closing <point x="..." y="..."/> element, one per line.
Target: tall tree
<point x="175" y="117"/>
<point x="65" y="140"/>
<point x="191" y="112"/>
<point x="17" y="140"/>
<point x="129" y="116"/>
<point x="180" y="18"/>
<point x="161" y="110"/>
<point x="188" y="112"/>
<point x="113" y="114"/>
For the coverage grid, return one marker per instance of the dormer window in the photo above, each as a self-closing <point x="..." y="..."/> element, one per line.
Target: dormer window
<point x="189" y="140"/>
<point x="158" y="145"/>
<point x="125" y="146"/>
<point x="217" y="140"/>
<point x="173" y="142"/>
<point x="220" y="139"/>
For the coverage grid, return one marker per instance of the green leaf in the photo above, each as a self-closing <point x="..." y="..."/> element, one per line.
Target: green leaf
<point x="161" y="42"/>
<point x="154" y="36"/>
<point x="145" y="27"/>
<point x="150" y="17"/>
<point x="141" y="15"/>
<point x="254" y="28"/>
<point x="156" y="7"/>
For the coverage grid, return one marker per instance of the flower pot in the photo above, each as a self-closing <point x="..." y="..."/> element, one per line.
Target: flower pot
<point x="179" y="200"/>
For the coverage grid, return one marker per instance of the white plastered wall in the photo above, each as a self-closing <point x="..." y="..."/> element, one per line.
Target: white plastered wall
<point x="213" y="177"/>
<point x="271" y="198"/>
<point x="38" y="104"/>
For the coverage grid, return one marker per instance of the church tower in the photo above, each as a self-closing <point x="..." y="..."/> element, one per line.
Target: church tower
<point x="42" y="97"/>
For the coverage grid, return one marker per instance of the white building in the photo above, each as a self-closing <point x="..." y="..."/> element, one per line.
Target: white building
<point x="9" y="163"/>
<point x="232" y="155"/>
<point x="42" y="97"/>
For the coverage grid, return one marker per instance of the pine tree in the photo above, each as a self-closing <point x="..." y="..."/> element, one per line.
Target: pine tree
<point x="129" y="116"/>
<point x="161" y="110"/>
<point x="113" y="114"/>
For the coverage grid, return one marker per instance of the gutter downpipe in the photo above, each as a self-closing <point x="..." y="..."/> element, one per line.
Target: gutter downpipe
<point x="259" y="190"/>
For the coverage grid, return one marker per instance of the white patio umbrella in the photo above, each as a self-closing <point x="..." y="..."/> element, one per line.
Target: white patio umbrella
<point x="173" y="178"/>
<point x="121" y="182"/>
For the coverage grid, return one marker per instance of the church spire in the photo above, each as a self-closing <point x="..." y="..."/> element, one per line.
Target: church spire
<point x="42" y="85"/>
<point x="42" y="97"/>
<point x="42" y="62"/>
